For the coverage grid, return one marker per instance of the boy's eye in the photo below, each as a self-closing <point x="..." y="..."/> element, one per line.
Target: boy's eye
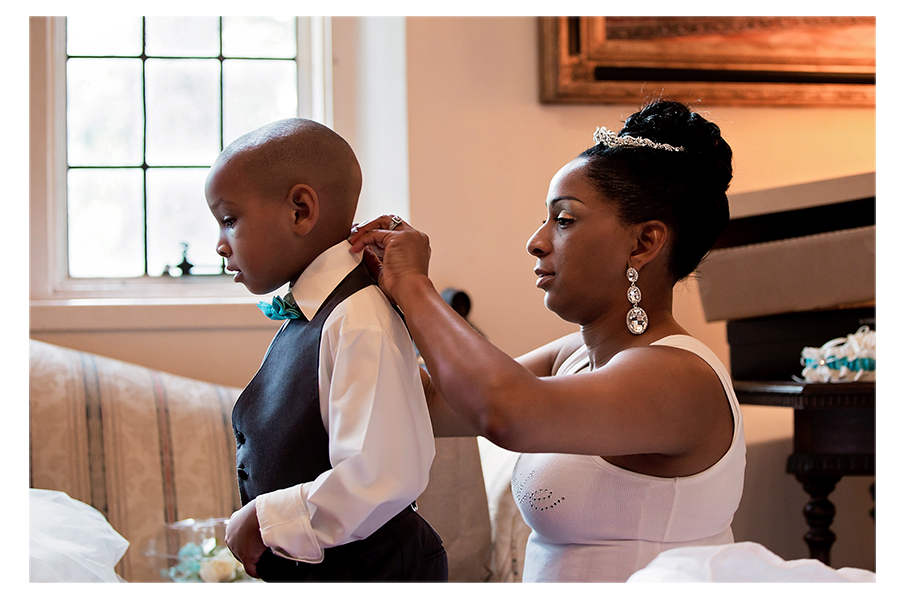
<point x="228" y="223"/>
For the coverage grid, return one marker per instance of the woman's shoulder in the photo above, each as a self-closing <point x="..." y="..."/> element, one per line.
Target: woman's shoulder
<point x="691" y="371"/>
<point x="673" y="352"/>
<point x="701" y="351"/>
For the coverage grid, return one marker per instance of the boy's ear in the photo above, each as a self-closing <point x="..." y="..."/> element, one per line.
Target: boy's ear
<point x="650" y="239"/>
<point x="305" y="206"/>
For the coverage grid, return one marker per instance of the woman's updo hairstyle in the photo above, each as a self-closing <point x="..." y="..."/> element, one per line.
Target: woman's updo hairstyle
<point x="683" y="189"/>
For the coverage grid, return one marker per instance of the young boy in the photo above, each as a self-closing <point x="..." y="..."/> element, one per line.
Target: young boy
<point x="334" y="441"/>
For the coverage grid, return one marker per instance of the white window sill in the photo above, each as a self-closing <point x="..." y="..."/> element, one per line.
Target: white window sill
<point x="147" y="314"/>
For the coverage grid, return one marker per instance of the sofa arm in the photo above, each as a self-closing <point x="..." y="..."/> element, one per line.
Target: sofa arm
<point x="143" y="447"/>
<point x="455" y="504"/>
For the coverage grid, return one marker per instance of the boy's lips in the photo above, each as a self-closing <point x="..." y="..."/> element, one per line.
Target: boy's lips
<point x="235" y="270"/>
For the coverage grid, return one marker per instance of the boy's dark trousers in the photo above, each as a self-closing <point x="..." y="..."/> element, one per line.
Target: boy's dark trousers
<point x="406" y="548"/>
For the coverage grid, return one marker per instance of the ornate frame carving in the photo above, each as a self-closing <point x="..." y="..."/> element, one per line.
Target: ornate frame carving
<point x="749" y="61"/>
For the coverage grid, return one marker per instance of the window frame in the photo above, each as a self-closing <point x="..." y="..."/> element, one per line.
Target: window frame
<point x="49" y="278"/>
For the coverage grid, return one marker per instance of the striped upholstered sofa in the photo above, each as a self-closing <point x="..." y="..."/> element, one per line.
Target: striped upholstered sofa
<point x="147" y="448"/>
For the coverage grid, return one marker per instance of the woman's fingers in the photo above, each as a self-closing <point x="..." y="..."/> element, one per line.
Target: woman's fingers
<point x="392" y="250"/>
<point x="376" y="269"/>
<point x="386" y="222"/>
<point x="372" y="239"/>
<point x="375" y="233"/>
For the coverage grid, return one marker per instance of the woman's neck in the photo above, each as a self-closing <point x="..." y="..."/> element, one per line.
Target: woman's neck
<point x="608" y="335"/>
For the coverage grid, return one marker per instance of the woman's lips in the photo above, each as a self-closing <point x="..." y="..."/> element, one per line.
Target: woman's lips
<point x="544" y="277"/>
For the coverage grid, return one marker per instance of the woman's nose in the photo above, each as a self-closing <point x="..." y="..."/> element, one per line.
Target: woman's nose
<point x="537" y="243"/>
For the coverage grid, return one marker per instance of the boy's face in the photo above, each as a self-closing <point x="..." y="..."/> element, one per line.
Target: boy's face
<point x="255" y="234"/>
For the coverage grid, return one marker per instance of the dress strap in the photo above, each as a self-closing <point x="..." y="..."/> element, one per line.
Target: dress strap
<point x="578" y="361"/>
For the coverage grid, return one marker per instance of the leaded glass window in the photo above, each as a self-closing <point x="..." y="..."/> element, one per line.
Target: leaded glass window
<point x="150" y="102"/>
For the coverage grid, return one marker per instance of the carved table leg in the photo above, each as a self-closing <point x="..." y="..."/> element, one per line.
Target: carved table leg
<point x="819" y="513"/>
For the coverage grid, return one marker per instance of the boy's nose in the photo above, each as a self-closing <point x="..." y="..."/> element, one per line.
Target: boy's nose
<point x="223" y="250"/>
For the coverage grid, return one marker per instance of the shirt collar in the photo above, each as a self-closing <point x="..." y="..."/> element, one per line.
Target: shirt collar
<point x="322" y="275"/>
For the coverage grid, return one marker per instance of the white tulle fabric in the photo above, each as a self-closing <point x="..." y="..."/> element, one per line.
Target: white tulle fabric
<point x="744" y="562"/>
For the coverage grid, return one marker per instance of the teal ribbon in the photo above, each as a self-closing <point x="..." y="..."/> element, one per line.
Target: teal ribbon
<point x="281" y="309"/>
<point x="857" y="364"/>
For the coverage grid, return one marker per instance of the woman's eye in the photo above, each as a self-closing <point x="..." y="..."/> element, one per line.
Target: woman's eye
<point x="564" y="221"/>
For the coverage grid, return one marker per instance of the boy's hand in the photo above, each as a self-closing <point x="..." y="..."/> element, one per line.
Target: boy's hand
<point x="243" y="538"/>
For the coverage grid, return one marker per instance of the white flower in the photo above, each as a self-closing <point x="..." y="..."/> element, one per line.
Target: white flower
<point x="221" y="567"/>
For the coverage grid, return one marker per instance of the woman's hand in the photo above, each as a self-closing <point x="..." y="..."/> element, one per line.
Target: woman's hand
<point x="394" y="256"/>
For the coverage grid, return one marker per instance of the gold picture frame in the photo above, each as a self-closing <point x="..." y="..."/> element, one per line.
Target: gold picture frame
<point x="749" y="61"/>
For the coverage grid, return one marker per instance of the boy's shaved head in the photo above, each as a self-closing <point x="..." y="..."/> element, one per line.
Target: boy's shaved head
<point x="280" y="155"/>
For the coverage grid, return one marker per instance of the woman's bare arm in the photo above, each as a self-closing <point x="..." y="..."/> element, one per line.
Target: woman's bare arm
<point x="543" y="362"/>
<point x="444" y="420"/>
<point x="646" y="400"/>
<point x="630" y="406"/>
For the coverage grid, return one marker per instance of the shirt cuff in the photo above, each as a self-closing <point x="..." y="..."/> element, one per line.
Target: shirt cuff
<point x="285" y="526"/>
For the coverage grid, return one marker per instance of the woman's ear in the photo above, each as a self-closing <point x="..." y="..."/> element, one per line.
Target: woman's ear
<point x="650" y="240"/>
<point x="305" y="208"/>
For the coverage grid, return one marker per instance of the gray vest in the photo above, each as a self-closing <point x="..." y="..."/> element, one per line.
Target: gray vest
<point x="281" y="441"/>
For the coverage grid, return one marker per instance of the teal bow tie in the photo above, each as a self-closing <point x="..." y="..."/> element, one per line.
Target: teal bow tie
<point x="281" y="309"/>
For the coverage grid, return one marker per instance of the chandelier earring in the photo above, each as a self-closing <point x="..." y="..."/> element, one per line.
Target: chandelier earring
<point x="637" y="317"/>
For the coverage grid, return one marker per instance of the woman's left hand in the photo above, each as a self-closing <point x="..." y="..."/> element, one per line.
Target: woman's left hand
<point x="394" y="252"/>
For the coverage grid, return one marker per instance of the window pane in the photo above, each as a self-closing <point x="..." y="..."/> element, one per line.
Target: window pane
<point x="182" y="112"/>
<point x="245" y="107"/>
<point x="106" y="222"/>
<point x="182" y="36"/>
<point x="104" y="111"/>
<point x="263" y="37"/>
<point x="99" y="35"/>
<point x="177" y="214"/>
<point x="152" y="103"/>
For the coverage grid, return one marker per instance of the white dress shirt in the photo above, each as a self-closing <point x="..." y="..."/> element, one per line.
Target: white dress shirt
<point x="373" y="408"/>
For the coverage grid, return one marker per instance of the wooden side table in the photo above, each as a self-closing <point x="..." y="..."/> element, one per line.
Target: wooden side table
<point x="834" y="436"/>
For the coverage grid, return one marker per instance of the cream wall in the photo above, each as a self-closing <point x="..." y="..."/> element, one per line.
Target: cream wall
<point x="483" y="149"/>
<point x="481" y="152"/>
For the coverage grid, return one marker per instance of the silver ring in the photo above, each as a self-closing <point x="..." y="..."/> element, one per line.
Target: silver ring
<point x="395" y="221"/>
